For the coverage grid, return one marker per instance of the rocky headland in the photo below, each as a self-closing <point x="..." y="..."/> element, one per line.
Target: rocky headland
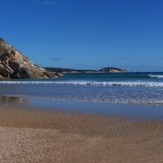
<point x="15" y="65"/>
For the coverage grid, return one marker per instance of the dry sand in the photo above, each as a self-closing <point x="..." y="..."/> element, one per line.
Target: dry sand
<point x="37" y="136"/>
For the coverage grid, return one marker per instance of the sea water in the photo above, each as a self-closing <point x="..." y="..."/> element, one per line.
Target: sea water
<point x="135" y="88"/>
<point x="100" y="89"/>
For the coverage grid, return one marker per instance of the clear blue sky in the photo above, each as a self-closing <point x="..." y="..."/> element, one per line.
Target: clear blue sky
<point x="86" y="33"/>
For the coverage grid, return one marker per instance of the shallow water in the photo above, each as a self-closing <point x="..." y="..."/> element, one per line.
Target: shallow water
<point x="131" y="111"/>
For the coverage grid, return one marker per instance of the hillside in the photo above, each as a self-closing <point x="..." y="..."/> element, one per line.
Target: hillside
<point x="14" y="64"/>
<point x="67" y="70"/>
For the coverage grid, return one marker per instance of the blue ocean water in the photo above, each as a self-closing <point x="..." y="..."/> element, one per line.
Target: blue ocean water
<point x="126" y="88"/>
<point x="134" y="95"/>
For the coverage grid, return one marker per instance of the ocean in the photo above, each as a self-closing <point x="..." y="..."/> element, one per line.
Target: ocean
<point x="143" y="89"/>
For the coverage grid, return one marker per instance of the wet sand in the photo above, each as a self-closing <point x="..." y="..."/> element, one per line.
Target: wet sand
<point x="39" y="136"/>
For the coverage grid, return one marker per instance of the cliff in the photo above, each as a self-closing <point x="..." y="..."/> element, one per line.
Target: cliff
<point x="14" y="64"/>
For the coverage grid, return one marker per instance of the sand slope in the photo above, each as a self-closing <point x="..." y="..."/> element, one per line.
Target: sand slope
<point x="44" y="136"/>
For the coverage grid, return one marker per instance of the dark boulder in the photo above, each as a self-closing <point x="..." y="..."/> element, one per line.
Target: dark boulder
<point x="5" y="70"/>
<point x="23" y="73"/>
<point x="15" y="65"/>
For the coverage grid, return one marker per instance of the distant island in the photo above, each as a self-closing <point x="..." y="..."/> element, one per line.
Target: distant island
<point x="68" y="70"/>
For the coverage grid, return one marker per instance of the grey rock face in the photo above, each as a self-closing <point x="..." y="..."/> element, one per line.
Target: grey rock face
<point x="13" y="64"/>
<point x="5" y="70"/>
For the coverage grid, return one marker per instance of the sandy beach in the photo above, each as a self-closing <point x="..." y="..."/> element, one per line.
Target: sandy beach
<point x="39" y="136"/>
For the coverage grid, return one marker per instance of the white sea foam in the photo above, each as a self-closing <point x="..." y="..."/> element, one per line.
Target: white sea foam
<point x="27" y="82"/>
<point x="113" y="83"/>
<point x="156" y="76"/>
<point x="89" y="83"/>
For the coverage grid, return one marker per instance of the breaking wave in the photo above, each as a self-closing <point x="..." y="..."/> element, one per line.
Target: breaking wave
<point x="156" y="76"/>
<point x="113" y="83"/>
<point x="88" y="83"/>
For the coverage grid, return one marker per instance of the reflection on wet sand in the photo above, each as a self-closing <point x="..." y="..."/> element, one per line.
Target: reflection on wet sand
<point x="8" y="100"/>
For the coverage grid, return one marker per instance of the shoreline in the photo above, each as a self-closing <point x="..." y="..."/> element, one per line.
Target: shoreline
<point x="37" y="135"/>
<point x="138" y="112"/>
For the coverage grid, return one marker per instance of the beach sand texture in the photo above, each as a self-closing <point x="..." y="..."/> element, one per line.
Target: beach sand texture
<point x="41" y="136"/>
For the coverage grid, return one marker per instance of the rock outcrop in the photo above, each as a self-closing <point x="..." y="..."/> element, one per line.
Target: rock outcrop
<point x="112" y="69"/>
<point x="13" y="64"/>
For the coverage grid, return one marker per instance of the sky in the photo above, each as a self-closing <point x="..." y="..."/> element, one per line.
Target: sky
<point x="86" y="34"/>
